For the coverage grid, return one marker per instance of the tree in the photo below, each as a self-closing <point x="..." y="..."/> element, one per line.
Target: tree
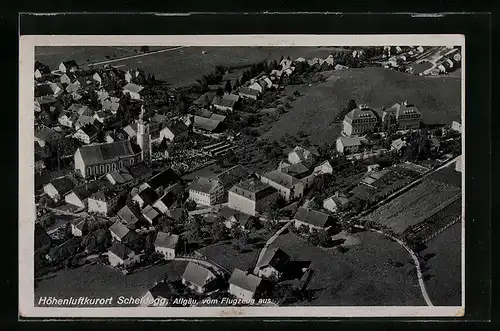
<point x="228" y="88"/>
<point x="220" y="92"/>
<point x="351" y="105"/>
<point x="190" y="205"/>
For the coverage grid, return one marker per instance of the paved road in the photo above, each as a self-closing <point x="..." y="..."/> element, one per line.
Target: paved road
<point x="136" y="56"/>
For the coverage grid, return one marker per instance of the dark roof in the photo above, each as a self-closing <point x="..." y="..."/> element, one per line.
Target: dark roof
<point x="63" y="184"/>
<point x="197" y="274"/>
<point x="275" y="258"/>
<point x="177" y="128"/>
<point x="70" y="64"/>
<point x="360" y="113"/>
<point x="133" y="88"/>
<point x="253" y="189"/>
<point x="205" y="99"/>
<point x="298" y="170"/>
<point x="245" y="280"/>
<point x="104" y="195"/>
<point x="231" y="176"/>
<point x="79" y="223"/>
<point x="47" y="134"/>
<point x="168" y="199"/>
<point x="281" y="178"/>
<point x="148" y="195"/>
<point x="224" y="102"/>
<point x="41" y="237"/>
<point x="205" y="123"/>
<point x="202" y="184"/>
<point x="86" y="190"/>
<point x="119" y="230"/>
<point x="138" y="170"/>
<point x="120" y="250"/>
<point x="90" y="130"/>
<point x="40" y="66"/>
<point x="312" y="217"/>
<point x="164" y="178"/>
<point x="162" y="290"/>
<point x="166" y="240"/>
<point x="99" y="153"/>
<point x="43" y="90"/>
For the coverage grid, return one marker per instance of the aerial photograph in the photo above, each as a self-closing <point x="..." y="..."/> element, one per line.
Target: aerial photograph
<point x="188" y="176"/>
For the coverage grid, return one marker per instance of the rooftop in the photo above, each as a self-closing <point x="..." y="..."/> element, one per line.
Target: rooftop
<point x="99" y="153"/>
<point x="312" y="217"/>
<point x="245" y="280"/>
<point x="197" y="274"/>
<point x="281" y="178"/>
<point x="166" y="240"/>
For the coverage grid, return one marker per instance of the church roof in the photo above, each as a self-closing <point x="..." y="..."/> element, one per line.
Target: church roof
<point x="106" y="152"/>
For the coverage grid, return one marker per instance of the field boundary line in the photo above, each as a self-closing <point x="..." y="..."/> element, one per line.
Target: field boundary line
<point x="135" y="56"/>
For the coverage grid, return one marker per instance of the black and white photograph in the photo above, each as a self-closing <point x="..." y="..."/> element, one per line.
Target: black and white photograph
<point x="260" y="176"/>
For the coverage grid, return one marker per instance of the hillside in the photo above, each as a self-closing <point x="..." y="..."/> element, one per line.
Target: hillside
<point x="439" y="100"/>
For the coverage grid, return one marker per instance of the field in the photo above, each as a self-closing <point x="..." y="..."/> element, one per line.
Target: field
<point x="180" y="66"/>
<point x="102" y="281"/>
<point x="365" y="275"/>
<point x="439" y="100"/>
<point x="444" y="268"/>
<point x="414" y="206"/>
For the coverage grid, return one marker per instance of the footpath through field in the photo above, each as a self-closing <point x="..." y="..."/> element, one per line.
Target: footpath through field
<point x="136" y="56"/>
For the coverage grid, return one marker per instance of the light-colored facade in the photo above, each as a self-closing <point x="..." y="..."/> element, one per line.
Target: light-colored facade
<point x="289" y="190"/>
<point x="131" y="259"/>
<point x="347" y="145"/>
<point x="359" y="121"/>
<point x="83" y="137"/>
<point x="102" y="204"/>
<point x="251" y="201"/>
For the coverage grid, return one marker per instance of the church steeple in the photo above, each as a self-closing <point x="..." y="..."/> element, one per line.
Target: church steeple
<point x="144" y="137"/>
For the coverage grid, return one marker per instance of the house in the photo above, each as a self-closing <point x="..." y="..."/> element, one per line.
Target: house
<point x="300" y="154"/>
<point x="121" y="233"/>
<point x="166" y="202"/>
<point x="272" y="265"/>
<point x="456" y="126"/>
<point x="103" y="202"/>
<point x="151" y="215"/>
<point x="103" y="115"/>
<point x="226" y="103"/>
<point x="45" y="135"/>
<point x="119" y="178"/>
<point x="97" y="78"/>
<point x="86" y="134"/>
<point x="131" y="130"/>
<point x="289" y="187"/>
<point x="205" y="100"/>
<point x="111" y="104"/>
<point x="335" y="202"/>
<point x="145" y="197"/>
<point x="340" y="67"/>
<point x="173" y="131"/>
<point x="285" y="63"/>
<point x="251" y="197"/>
<point x="204" y="191"/>
<point x="133" y="90"/>
<point x="65" y="250"/>
<point x="67" y="118"/>
<point x="130" y="75"/>
<point x="159" y="293"/>
<point x="372" y="167"/>
<point x="139" y="173"/>
<point x="69" y="78"/>
<point x="167" y="245"/>
<point x="84" y="120"/>
<point x="248" y="93"/>
<point x="68" y="66"/>
<point x="199" y="278"/>
<point x="235" y="218"/>
<point x="205" y="125"/>
<point x="244" y="285"/>
<point x="58" y="187"/>
<point x="358" y="121"/>
<point x="257" y="87"/>
<point x="79" y="227"/>
<point x="313" y="219"/>
<point x="80" y="194"/>
<point x="323" y="168"/>
<point x="80" y="109"/>
<point x="163" y="181"/>
<point x="99" y="159"/>
<point x="48" y="89"/>
<point x="121" y="255"/>
<point x="41" y="70"/>
<point x="398" y="145"/>
<point x="348" y="145"/>
<point x="45" y="103"/>
<point x="302" y="172"/>
<point x="128" y="216"/>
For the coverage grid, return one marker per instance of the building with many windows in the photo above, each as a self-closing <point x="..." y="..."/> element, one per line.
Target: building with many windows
<point x="359" y="121"/>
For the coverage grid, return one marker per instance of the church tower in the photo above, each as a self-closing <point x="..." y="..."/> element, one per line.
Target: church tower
<point x="144" y="138"/>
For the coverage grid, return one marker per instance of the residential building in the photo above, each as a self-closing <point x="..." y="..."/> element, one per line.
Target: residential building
<point x="151" y="215"/>
<point x="359" y="121"/>
<point x="313" y="219"/>
<point x="87" y="134"/>
<point x="302" y="172"/>
<point x="145" y="197"/>
<point x="103" y="115"/>
<point x="119" y="178"/>
<point x="67" y="118"/>
<point x="167" y="245"/>
<point x="41" y="70"/>
<point x="323" y="168"/>
<point x="300" y="154"/>
<point x="404" y="116"/>
<point x="58" y="187"/>
<point x="244" y="285"/>
<point x="398" y="144"/>
<point x="227" y="102"/>
<point x="272" y="265"/>
<point x="234" y="218"/>
<point x="133" y="90"/>
<point x="79" y="195"/>
<point x="45" y="135"/>
<point x="163" y="182"/>
<point x="205" y="125"/>
<point x="257" y="87"/>
<point x="68" y="66"/>
<point x="372" y="167"/>
<point x="251" y="197"/>
<point x="121" y="233"/>
<point x="111" y="104"/>
<point x="99" y="159"/>
<point x="121" y="255"/>
<point x="103" y="202"/>
<point x="161" y="291"/>
<point x="289" y="187"/>
<point x="173" y="131"/>
<point x="97" y="78"/>
<point x="335" y="203"/>
<point x="348" y="145"/>
<point x="456" y="126"/>
<point x="69" y="78"/>
<point x="199" y="278"/>
<point x="166" y="203"/>
<point x="79" y="227"/>
<point x="204" y="191"/>
<point x="248" y="93"/>
<point x="128" y="216"/>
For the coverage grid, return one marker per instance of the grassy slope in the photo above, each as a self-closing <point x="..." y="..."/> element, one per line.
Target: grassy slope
<point x="100" y="281"/>
<point x="362" y="276"/>
<point x="438" y="99"/>
<point x="444" y="286"/>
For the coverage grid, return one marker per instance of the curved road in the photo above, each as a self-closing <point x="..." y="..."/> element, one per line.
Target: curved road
<point x="415" y="260"/>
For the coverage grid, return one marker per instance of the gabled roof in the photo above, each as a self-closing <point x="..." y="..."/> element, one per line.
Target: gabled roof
<point x="63" y="184"/>
<point x="45" y="133"/>
<point x="121" y="250"/>
<point x="70" y="64"/>
<point x="224" y="102"/>
<point x="205" y="123"/>
<point x="297" y="170"/>
<point x="281" y="178"/>
<point x="119" y="230"/>
<point x="86" y="190"/>
<point x="197" y="274"/>
<point x="99" y="153"/>
<point x="177" y="128"/>
<point x="44" y="69"/>
<point x="231" y="176"/>
<point x="162" y="290"/>
<point x="138" y="170"/>
<point x="275" y="258"/>
<point x="248" y="91"/>
<point x="79" y="108"/>
<point x="148" y="195"/>
<point x="127" y="215"/>
<point x="90" y="130"/>
<point x="121" y="176"/>
<point x="79" y="223"/>
<point x="347" y="141"/>
<point x="104" y="195"/>
<point x="168" y="199"/>
<point x="131" y="87"/>
<point x="204" y="185"/>
<point x="131" y="129"/>
<point x="253" y="189"/>
<point x="218" y="117"/>
<point x="312" y="217"/>
<point x="150" y="212"/>
<point x="359" y="113"/>
<point x="166" y="240"/>
<point x="245" y="280"/>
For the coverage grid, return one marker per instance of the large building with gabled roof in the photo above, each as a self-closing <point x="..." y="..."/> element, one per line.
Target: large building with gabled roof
<point x="359" y="121"/>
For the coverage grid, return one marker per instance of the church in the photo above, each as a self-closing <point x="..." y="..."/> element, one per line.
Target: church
<point x="99" y="159"/>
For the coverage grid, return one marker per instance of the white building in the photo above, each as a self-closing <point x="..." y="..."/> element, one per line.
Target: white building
<point x="167" y="245"/>
<point x="288" y="187"/>
<point x="121" y="255"/>
<point x="244" y="285"/>
<point x="348" y="145"/>
<point x="251" y="197"/>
